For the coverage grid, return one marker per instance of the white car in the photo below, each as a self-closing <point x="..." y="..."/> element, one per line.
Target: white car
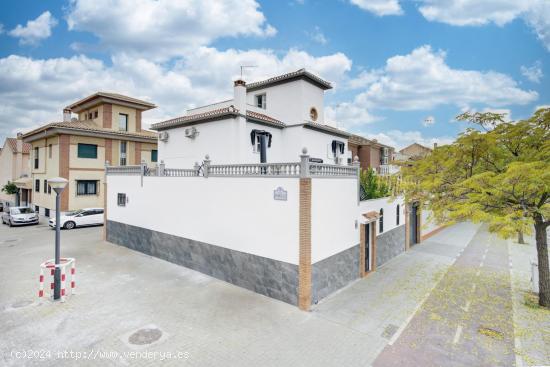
<point x="79" y="218"/>
<point x="19" y="215"/>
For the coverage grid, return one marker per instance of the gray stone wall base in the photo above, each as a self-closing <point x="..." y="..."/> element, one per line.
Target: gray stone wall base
<point x="334" y="272"/>
<point x="272" y="278"/>
<point x="390" y="244"/>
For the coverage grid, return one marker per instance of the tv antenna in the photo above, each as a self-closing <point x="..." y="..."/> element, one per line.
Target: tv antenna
<point x="247" y="66"/>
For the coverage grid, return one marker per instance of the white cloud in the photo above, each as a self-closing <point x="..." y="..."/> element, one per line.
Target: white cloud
<point x="34" y="92"/>
<point x="317" y="36"/>
<point x="36" y="30"/>
<point x="347" y="115"/>
<point x="159" y="29"/>
<point x="422" y="80"/>
<point x="533" y="73"/>
<point x="401" y="139"/>
<point x="379" y="7"/>
<point x="473" y="12"/>
<point x="428" y="121"/>
<point x="536" y="13"/>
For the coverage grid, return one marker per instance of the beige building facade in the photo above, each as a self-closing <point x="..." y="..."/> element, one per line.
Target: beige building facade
<point x="414" y="151"/>
<point x="371" y="153"/>
<point x="107" y="129"/>
<point x="14" y="166"/>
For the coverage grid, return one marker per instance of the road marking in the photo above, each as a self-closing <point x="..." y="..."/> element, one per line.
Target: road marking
<point x="467" y="307"/>
<point x="474" y="286"/>
<point x="457" y="334"/>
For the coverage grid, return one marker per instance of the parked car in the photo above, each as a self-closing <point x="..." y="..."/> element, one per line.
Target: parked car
<point x="19" y="215"/>
<point x="79" y="218"/>
<point x="1" y="206"/>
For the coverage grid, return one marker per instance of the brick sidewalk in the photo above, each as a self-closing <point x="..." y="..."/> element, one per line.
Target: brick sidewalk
<point x="121" y="291"/>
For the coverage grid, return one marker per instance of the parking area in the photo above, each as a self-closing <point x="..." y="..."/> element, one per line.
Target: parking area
<point x="132" y="309"/>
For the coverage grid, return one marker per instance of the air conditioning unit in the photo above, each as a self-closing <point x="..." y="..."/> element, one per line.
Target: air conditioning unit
<point x="191" y="132"/>
<point x="163" y="136"/>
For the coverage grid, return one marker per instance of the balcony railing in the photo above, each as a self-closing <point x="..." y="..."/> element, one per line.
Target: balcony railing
<point x="387" y="169"/>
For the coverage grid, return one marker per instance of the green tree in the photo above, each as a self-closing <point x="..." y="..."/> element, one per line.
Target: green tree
<point x="10" y="188"/>
<point x="499" y="175"/>
<point x="372" y="184"/>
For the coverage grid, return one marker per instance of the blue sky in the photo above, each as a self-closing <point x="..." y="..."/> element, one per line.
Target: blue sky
<point x="402" y="70"/>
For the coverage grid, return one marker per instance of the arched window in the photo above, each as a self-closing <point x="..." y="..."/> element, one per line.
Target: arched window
<point x="381" y="220"/>
<point x="397" y="213"/>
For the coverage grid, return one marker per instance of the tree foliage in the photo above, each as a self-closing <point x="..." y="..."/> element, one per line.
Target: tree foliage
<point x="10" y="188"/>
<point x="499" y="175"/>
<point x="373" y="185"/>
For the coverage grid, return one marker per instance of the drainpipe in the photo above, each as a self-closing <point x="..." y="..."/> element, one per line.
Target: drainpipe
<point x="263" y="148"/>
<point x="239" y="102"/>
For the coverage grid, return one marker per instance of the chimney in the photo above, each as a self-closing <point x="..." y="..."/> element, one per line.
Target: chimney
<point x="239" y="97"/>
<point x="19" y="142"/>
<point x="66" y="115"/>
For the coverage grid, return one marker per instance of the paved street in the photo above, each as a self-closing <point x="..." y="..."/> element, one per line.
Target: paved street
<point x="127" y="302"/>
<point x="467" y="320"/>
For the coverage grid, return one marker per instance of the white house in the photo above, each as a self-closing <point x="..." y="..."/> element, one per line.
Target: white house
<point x="258" y="191"/>
<point x="279" y="115"/>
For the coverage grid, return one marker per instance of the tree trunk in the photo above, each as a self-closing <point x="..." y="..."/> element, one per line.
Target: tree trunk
<point x="520" y="238"/>
<point x="544" y="270"/>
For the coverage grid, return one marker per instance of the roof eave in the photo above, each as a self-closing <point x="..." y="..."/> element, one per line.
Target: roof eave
<point x="160" y="126"/>
<point x="317" y="82"/>
<point x="339" y="133"/>
<point x="99" y="99"/>
<point x="56" y="130"/>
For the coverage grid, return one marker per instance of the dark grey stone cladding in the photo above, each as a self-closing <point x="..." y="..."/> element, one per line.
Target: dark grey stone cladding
<point x="272" y="278"/>
<point x="390" y="244"/>
<point x="333" y="273"/>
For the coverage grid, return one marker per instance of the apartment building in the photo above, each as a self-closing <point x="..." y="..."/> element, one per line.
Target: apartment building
<point x="372" y="154"/>
<point x="107" y="128"/>
<point x="14" y="167"/>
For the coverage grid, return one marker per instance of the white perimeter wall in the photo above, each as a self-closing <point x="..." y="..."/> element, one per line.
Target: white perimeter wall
<point x="390" y="211"/>
<point x="236" y="213"/>
<point x="240" y="213"/>
<point x="428" y="224"/>
<point x="333" y="214"/>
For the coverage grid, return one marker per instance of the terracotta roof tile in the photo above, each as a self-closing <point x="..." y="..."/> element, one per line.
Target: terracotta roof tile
<point x="195" y="117"/>
<point x="116" y="96"/>
<point x="371" y="216"/>
<point x="327" y="128"/>
<point x="214" y="114"/>
<point x="295" y="74"/>
<point x="264" y="118"/>
<point x="12" y="143"/>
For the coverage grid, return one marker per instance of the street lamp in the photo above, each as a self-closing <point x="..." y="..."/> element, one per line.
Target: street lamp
<point x="57" y="184"/>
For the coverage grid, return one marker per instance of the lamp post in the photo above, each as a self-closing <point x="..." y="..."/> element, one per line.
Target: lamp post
<point x="57" y="184"/>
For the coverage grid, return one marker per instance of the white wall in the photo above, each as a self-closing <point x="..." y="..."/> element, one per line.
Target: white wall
<point x="236" y="213"/>
<point x="428" y="225"/>
<point x="216" y="138"/>
<point x="228" y="143"/>
<point x="319" y="145"/>
<point x="390" y="211"/>
<point x="333" y="215"/>
<point x="290" y="102"/>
